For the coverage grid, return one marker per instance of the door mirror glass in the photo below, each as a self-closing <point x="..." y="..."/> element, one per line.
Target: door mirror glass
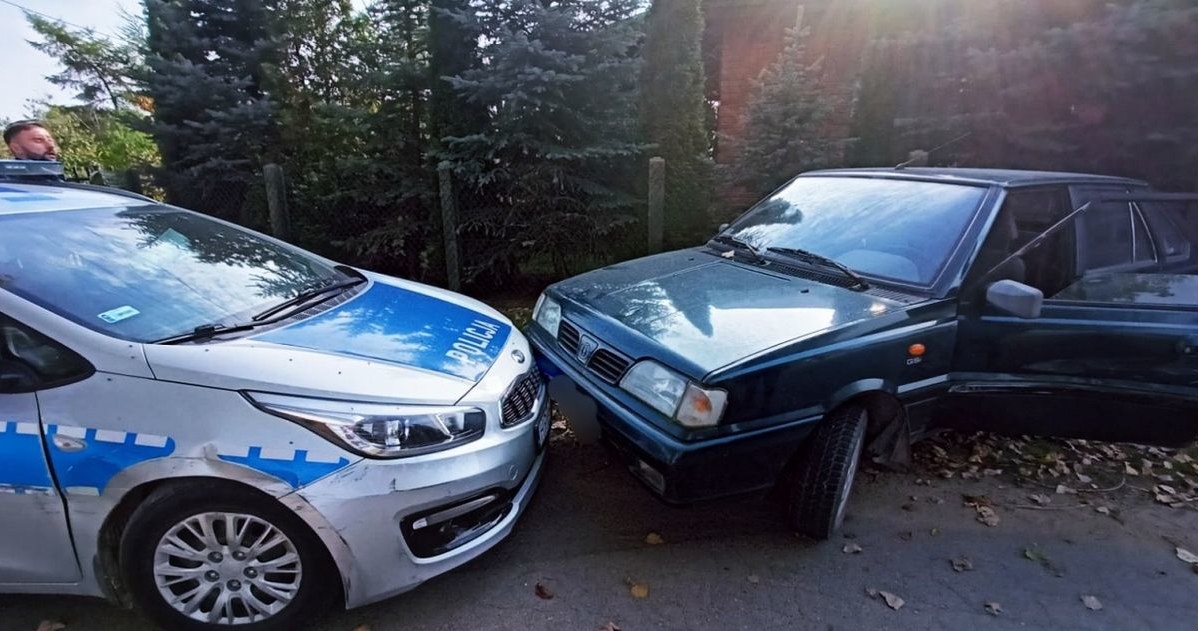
<point x="1015" y="298"/>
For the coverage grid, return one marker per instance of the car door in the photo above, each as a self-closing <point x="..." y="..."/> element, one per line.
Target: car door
<point x="36" y="545"/>
<point x="1113" y="354"/>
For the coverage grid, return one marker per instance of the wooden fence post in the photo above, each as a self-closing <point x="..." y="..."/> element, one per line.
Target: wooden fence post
<point x="657" y="198"/>
<point x="276" y="201"/>
<point x="449" y="226"/>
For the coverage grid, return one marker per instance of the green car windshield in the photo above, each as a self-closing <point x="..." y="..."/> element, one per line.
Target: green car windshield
<point x="883" y="228"/>
<point x="144" y="273"/>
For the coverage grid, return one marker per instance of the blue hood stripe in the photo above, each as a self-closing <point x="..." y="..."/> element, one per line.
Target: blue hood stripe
<point x="397" y="326"/>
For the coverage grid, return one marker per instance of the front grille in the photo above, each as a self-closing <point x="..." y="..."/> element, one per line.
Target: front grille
<point x="568" y="337"/>
<point x="518" y="403"/>
<point x="608" y="365"/>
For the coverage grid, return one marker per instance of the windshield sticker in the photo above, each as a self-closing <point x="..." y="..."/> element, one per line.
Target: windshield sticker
<point x="113" y="316"/>
<point x="174" y="237"/>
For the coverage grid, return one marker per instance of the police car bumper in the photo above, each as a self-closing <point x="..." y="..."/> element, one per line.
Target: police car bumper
<point x="405" y="521"/>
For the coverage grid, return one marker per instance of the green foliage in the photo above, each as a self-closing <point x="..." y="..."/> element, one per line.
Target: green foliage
<point x="675" y="114"/>
<point x="785" y="123"/>
<point x="543" y="175"/>
<point x="98" y="68"/>
<point x="91" y="139"/>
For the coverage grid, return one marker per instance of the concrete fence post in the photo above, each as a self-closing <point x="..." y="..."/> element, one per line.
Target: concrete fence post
<point x="449" y="226"/>
<point x="657" y="201"/>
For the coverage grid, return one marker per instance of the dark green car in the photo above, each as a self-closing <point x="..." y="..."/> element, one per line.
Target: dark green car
<point x="854" y="310"/>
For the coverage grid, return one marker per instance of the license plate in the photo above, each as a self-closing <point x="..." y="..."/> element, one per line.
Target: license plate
<point x="540" y="430"/>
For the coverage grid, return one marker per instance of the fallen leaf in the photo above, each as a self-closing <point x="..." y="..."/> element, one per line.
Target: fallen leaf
<point x="993" y="608"/>
<point x="753" y="579"/>
<point x="543" y="592"/>
<point x="1102" y="510"/>
<point x="1187" y="556"/>
<point x="654" y="539"/>
<point x="1092" y="603"/>
<point x="1064" y="490"/>
<point x="610" y="626"/>
<point x="1084" y="479"/>
<point x="1041" y="499"/>
<point x="962" y="564"/>
<point x="639" y="591"/>
<point x="935" y="532"/>
<point x="1130" y="470"/>
<point x="1165" y="488"/>
<point x="730" y="254"/>
<point x="54" y="625"/>
<point x="988" y="516"/>
<point x="935" y="500"/>
<point x="852" y="548"/>
<point x="892" y="601"/>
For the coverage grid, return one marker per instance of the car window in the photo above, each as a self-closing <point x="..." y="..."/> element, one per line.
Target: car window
<point x="1165" y="220"/>
<point x="897" y="229"/>
<point x="1025" y="215"/>
<point x="31" y="361"/>
<point x="148" y="272"/>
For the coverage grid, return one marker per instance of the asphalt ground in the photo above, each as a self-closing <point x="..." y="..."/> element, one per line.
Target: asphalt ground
<point x="733" y="565"/>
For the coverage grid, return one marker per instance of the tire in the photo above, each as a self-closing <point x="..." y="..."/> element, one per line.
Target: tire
<point x="823" y="479"/>
<point x="206" y="568"/>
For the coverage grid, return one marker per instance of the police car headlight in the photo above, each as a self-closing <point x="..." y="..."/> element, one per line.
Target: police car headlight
<point x="548" y="314"/>
<point x="674" y="396"/>
<point x="378" y="430"/>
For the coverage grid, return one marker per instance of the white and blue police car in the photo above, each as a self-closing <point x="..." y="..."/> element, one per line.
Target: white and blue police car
<point x="229" y="431"/>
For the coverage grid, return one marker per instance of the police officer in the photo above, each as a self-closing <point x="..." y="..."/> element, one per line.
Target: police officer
<point x="30" y="140"/>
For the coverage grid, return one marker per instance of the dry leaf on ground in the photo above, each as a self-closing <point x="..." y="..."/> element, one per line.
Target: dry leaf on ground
<point x="1065" y="490"/>
<point x="988" y="516"/>
<point x="993" y="608"/>
<point x="610" y="626"/>
<point x="852" y="548"/>
<point x="1092" y="603"/>
<point x="754" y="579"/>
<point x="1041" y="499"/>
<point x="962" y="564"/>
<point x="654" y="539"/>
<point x="51" y="625"/>
<point x="639" y="590"/>
<point x="892" y="601"/>
<point x="1187" y="556"/>
<point x="543" y="592"/>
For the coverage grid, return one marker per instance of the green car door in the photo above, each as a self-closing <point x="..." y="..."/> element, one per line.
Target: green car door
<point x="1113" y="353"/>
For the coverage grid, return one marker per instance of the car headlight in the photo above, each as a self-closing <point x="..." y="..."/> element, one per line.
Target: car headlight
<point x="674" y="396"/>
<point x="379" y="430"/>
<point x="548" y="314"/>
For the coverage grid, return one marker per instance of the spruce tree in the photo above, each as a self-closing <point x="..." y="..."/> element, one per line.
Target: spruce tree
<point x="538" y="180"/>
<point x="674" y="114"/>
<point x="785" y="122"/>
<point x="209" y="65"/>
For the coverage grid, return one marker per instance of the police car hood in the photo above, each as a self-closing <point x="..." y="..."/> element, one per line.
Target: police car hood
<point x="394" y="341"/>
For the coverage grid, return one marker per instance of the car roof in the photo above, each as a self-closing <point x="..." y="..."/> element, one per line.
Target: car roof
<point x="23" y="197"/>
<point x="1009" y="178"/>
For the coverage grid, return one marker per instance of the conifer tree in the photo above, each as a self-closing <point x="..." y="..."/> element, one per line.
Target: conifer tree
<point x="784" y="131"/>
<point x="674" y="114"/>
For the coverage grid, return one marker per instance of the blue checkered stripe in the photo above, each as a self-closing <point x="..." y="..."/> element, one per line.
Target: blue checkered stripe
<point x="104" y="454"/>
<point x="296" y="467"/>
<point x="23" y="468"/>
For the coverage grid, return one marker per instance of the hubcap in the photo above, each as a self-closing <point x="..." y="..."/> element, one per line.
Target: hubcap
<point x="227" y="568"/>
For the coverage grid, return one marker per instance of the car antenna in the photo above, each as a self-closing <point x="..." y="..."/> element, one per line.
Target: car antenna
<point x="922" y="156"/>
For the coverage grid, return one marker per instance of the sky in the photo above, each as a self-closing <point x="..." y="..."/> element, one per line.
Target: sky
<point x="23" y="69"/>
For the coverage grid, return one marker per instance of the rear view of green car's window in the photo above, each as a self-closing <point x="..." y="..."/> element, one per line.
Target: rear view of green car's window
<point x="148" y="272"/>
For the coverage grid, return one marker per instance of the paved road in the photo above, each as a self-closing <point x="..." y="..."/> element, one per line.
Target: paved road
<point x="732" y="565"/>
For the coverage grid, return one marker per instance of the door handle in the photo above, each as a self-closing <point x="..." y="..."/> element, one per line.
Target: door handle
<point x="1188" y="347"/>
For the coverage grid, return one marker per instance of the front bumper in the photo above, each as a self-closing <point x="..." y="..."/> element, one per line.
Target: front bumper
<point x="405" y="521"/>
<point x="678" y="471"/>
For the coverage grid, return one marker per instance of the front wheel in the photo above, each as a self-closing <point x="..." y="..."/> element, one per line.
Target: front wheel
<point x="823" y="479"/>
<point x="209" y="556"/>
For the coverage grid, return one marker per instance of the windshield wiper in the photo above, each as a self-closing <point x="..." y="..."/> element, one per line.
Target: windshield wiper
<point x="740" y="243"/>
<point x="812" y="257"/>
<point x="306" y="295"/>
<point x="207" y="331"/>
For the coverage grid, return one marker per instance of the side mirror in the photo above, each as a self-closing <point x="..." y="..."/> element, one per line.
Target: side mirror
<point x="1015" y="298"/>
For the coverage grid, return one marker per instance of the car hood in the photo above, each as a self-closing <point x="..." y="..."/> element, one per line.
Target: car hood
<point x="711" y="312"/>
<point x="395" y="341"/>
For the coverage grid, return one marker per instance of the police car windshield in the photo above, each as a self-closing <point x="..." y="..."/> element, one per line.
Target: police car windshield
<point x="145" y="273"/>
<point x="892" y="229"/>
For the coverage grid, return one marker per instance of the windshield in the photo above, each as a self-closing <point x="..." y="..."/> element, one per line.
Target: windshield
<point x="897" y="229"/>
<point x="148" y="272"/>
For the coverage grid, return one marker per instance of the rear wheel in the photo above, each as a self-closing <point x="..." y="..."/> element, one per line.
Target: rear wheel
<point x="823" y="479"/>
<point x="212" y="556"/>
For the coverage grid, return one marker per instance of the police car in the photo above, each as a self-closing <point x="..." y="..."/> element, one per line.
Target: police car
<point x="227" y="430"/>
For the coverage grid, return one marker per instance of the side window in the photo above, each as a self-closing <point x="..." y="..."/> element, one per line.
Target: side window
<point x="1025" y="215"/>
<point x="31" y="361"/>
<point x="1114" y="235"/>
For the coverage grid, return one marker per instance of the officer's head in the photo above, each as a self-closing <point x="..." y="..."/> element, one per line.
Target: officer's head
<point x="30" y="140"/>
